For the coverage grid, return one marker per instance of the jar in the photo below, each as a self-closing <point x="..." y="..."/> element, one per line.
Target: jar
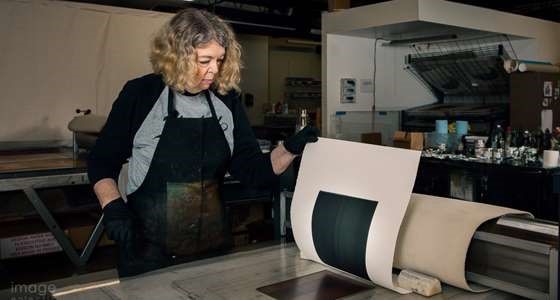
<point x="337" y="124"/>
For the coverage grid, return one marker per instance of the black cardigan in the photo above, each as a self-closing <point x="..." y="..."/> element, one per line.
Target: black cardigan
<point x="114" y="145"/>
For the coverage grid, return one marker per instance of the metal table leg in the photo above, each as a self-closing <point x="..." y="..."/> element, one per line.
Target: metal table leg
<point x="282" y="214"/>
<point x="284" y="195"/>
<point x="61" y="238"/>
<point x="553" y="279"/>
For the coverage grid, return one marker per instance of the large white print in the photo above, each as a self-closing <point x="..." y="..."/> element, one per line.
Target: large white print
<point x="350" y="200"/>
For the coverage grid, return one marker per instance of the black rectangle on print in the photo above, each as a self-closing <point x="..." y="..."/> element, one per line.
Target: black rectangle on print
<point x="340" y="226"/>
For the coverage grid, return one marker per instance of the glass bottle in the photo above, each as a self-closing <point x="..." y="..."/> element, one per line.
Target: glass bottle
<point x="496" y="142"/>
<point x="547" y="140"/>
<point x="526" y="138"/>
<point x="337" y="123"/>
<point x="507" y="143"/>
<point x="539" y="141"/>
<point x="302" y="120"/>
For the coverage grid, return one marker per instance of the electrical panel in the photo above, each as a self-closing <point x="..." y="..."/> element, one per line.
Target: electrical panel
<point x="348" y="90"/>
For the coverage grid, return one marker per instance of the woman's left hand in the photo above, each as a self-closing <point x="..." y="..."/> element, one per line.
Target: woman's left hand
<point x="296" y="143"/>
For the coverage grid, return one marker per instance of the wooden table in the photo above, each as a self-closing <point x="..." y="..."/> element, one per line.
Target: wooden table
<point x="237" y="276"/>
<point x="35" y="170"/>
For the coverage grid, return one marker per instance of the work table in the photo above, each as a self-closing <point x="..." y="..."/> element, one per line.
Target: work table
<point x="237" y="276"/>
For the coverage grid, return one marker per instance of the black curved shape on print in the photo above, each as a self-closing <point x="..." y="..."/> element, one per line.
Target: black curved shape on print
<point x="340" y="226"/>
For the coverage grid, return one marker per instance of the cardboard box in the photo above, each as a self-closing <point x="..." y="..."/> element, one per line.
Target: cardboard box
<point x="371" y="138"/>
<point x="408" y="140"/>
<point x="335" y="5"/>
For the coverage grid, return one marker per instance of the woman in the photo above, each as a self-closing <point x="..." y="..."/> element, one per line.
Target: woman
<point x="181" y="129"/>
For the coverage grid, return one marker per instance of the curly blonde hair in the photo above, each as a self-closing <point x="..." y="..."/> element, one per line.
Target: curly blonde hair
<point x="173" y="53"/>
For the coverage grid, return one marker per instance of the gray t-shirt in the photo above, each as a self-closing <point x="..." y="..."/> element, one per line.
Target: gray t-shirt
<point x="145" y="140"/>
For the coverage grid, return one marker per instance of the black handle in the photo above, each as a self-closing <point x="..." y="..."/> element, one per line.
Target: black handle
<point x="84" y="111"/>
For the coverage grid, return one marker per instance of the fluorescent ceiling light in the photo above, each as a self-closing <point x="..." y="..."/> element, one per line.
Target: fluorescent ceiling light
<point x="424" y="39"/>
<point x="303" y="42"/>
<point x="261" y="25"/>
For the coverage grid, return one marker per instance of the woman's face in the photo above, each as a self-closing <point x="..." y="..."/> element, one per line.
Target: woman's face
<point x="209" y="58"/>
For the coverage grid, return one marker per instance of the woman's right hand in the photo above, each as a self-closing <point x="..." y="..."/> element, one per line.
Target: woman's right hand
<point x="119" y="226"/>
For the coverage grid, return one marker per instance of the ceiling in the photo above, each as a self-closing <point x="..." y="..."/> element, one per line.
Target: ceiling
<point x="302" y="18"/>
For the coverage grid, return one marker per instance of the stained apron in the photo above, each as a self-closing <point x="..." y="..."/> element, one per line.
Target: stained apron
<point x="177" y="206"/>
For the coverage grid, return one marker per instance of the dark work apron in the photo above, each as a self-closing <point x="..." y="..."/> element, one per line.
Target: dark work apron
<point x="178" y="205"/>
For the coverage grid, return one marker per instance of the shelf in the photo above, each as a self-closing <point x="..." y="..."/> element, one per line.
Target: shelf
<point x="36" y="225"/>
<point x="303" y="93"/>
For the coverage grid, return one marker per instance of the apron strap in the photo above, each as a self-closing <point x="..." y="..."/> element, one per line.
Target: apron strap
<point x="214" y="116"/>
<point x="210" y="104"/>
<point x="171" y="111"/>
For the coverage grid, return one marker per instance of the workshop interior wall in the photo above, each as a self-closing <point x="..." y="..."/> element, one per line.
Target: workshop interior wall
<point x="125" y="53"/>
<point x="56" y="57"/>
<point x="348" y="42"/>
<point x="254" y="74"/>
<point x="395" y="88"/>
<point x="60" y="56"/>
<point x="291" y="60"/>
<point x="353" y="57"/>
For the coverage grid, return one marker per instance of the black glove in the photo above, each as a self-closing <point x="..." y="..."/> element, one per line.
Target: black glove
<point x="296" y="143"/>
<point x="119" y="226"/>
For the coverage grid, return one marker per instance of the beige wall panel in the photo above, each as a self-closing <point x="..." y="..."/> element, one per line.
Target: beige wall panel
<point x="285" y="63"/>
<point x="6" y="10"/>
<point x="254" y="75"/>
<point x="126" y="53"/>
<point x="49" y="62"/>
<point x="58" y="56"/>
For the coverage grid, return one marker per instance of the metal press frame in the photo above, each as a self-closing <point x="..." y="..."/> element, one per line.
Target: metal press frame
<point x="524" y="245"/>
<point x="29" y="184"/>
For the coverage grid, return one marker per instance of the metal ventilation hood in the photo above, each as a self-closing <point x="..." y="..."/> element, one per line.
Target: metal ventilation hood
<point x="409" y="19"/>
<point x="466" y="71"/>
